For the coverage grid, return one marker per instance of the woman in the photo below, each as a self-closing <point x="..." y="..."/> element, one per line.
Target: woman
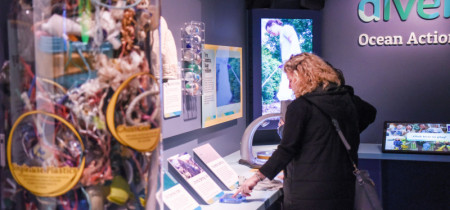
<point x="318" y="173"/>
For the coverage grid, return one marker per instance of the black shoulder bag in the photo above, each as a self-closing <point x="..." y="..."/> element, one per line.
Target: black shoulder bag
<point x="366" y="197"/>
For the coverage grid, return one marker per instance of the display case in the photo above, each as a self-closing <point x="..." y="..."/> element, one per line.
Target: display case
<point x="84" y="114"/>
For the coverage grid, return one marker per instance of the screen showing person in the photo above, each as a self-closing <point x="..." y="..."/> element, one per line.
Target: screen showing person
<point x="281" y="39"/>
<point x="417" y="137"/>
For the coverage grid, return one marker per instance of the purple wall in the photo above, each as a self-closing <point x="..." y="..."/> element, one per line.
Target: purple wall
<point x="402" y="82"/>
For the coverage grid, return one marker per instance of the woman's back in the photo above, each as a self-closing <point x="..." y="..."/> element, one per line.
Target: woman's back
<point x="320" y="174"/>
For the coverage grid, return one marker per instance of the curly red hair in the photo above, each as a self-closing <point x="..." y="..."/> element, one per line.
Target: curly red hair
<point x="308" y="72"/>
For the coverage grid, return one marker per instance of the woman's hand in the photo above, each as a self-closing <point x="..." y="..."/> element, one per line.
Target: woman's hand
<point x="246" y="188"/>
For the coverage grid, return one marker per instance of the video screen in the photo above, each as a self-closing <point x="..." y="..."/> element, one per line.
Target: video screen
<point x="280" y="39"/>
<point x="417" y="138"/>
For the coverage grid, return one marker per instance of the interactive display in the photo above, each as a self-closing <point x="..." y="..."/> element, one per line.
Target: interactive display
<point x="276" y="36"/>
<point x="414" y="137"/>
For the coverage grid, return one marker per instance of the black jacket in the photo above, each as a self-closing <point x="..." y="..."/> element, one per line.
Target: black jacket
<point x="318" y="173"/>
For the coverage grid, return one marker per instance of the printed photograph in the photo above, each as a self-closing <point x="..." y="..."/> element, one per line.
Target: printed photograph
<point x="228" y="80"/>
<point x="185" y="165"/>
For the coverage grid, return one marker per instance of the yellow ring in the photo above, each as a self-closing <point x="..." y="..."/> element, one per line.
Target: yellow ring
<point x="72" y="128"/>
<point x="111" y="109"/>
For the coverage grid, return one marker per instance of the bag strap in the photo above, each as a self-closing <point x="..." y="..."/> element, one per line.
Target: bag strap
<point x="344" y="141"/>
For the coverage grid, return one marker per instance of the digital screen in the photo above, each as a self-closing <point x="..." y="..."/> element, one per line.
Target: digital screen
<point x="416" y="137"/>
<point x="276" y="35"/>
<point x="280" y="39"/>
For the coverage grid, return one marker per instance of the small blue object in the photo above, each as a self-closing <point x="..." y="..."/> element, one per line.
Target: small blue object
<point x="52" y="44"/>
<point x="228" y="198"/>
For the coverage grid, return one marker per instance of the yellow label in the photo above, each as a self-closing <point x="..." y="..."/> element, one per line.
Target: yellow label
<point x="141" y="138"/>
<point x="44" y="181"/>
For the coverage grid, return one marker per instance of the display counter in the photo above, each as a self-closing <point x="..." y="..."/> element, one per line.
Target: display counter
<point x="402" y="179"/>
<point x="264" y="199"/>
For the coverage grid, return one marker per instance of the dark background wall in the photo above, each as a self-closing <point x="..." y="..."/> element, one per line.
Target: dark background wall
<point x="405" y="83"/>
<point x="402" y="82"/>
<point x="4" y="10"/>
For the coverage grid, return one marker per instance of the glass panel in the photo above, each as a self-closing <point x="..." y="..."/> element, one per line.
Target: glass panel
<point x="84" y="106"/>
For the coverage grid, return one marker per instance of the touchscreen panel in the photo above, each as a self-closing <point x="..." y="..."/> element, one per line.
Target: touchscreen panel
<point x="413" y="137"/>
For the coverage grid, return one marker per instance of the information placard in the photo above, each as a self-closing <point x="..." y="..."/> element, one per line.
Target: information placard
<point x="222" y="87"/>
<point x="172" y="98"/>
<point x="217" y="165"/>
<point x="174" y="193"/>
